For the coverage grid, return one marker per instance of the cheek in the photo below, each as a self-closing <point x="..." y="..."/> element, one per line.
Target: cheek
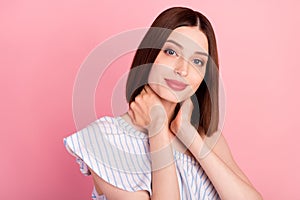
<point x="158" y="58"/>
<point x="152" y="78"/>
<point x="196" y="79"/>
<point x="195" y="87"/>
<point x="164" y="60"/>
<point x="154" y="87"/>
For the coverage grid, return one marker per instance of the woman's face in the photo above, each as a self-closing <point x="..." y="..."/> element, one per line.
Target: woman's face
<point x="180" y="66"/>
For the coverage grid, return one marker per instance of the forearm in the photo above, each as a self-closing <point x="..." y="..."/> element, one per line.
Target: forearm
<point x="228" y="183"/>
<point x="164" y="177"/>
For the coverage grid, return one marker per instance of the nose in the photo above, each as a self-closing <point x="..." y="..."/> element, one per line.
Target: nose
<point x="181" y="67"/>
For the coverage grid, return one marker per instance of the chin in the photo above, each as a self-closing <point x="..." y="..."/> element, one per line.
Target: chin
<point x="170" y="98"/>
<point x="168" y="94"/>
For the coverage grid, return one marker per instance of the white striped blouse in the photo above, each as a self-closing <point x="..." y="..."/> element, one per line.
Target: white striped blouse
<point x="119" y="154"/>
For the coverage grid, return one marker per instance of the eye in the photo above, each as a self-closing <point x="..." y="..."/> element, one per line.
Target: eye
<point x="198" y="62"/>
<point x="170" y="52"/>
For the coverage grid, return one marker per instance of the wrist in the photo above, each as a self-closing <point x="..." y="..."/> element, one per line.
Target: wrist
<point x="186" y="126"/>
<point x="162" y="133"/>
<point x="199" y="148"/>
<point x="160" y="138"/>
<point x="187" y="134"/>
<point x="157" y="129"/>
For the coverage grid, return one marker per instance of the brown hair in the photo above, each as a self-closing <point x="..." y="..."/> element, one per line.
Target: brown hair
<point x="207" y="93"/>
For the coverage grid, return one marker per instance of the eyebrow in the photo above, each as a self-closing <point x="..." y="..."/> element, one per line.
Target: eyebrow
<point x="181" y="47"/>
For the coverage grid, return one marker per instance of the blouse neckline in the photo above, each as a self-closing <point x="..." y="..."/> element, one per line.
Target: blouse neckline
<point x="136" y="133"/>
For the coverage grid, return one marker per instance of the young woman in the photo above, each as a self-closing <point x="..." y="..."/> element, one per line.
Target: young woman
<point x="157" y="150"/>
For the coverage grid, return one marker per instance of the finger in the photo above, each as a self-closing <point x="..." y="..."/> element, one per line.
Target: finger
<point x="158" y="119"/>
<point x="143" y="92"/>
<point x="134" y="114"/>
<point x="148" y="89"/>
<point x="143" y="105"/>
<point x="187" y="137"/>
<point x="131" y="114"/>
<point x="134" y="106"/>
<point x="139" y="101"/>
<point x="138" y="112"/>
<point x="187" y="107"/>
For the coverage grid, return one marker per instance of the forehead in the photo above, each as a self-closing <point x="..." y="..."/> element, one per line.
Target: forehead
<point x="190" y="38"/>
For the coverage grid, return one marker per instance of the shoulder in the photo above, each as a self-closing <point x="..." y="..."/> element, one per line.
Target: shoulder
<point x="87" y="136"/>
<point x="115" y="126"/>
<point x="107" y="129"/>
<point x="115" y="153"/>
<point x="107" y="135"/>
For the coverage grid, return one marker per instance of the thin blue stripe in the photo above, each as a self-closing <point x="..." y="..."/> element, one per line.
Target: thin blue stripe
<point x="95" y="135"/>
<point x="182" y="190"/>
<point x="83" y="137"/>
<point x="199" y="194"/>
<point x="71" y="137"/>
<point x="189" y="186"/>
<point x="145" y="149"/>
<point x="215" y="192"/>
<point x="203" y="182"/>
<point x="206" y="177"/>
<point x="180" y="183"/>
<point x="77" y="156"/>
<point x="133" y="175"/>
<point x="143" y="156"/>
<point x="131" y="128"/>
<point x="196" y="180"/>
<point x="121" y="163"/>
<point x="118" y="151"/>
<point x="200" y="184"/>
<point x="202" y="174"/>
<point x="114" y="156"/>
<point x="192" y="178"/>
<point x="190" y="167"/>
<point x="147" y="166"/>
<point x="137" y="154"/>
<point x="186" y="179"/>
<point x="212" y="188"/>
<point x="93" y="148"/>
<point x="106" y="152"/>
<point x="79" y="145"/>
<point x="205" y="190"/>
<point x="209" y="187"/>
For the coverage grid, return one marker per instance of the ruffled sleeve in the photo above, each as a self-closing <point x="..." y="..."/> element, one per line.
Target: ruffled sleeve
<point x="114" y="152"/>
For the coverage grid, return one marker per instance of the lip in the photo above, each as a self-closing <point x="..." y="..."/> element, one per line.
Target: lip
<point x="175" y="85"/>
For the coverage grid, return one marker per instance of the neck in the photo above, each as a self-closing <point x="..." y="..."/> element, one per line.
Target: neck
<point x="169" y="108"/>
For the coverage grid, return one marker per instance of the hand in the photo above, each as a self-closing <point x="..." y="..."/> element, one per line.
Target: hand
<point x="181" y="126"/>
<point x="183" y="116"/>
<point x="147" y="111"/>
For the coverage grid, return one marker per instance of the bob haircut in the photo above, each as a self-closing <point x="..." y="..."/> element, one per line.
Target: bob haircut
<point x="207" y="93"/>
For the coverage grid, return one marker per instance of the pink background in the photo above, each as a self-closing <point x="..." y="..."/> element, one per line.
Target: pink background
<point x="43" y="43"/>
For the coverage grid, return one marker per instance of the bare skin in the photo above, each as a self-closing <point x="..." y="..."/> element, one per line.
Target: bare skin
<point x="151" y="112"/>
<point x="219" y="165"/>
